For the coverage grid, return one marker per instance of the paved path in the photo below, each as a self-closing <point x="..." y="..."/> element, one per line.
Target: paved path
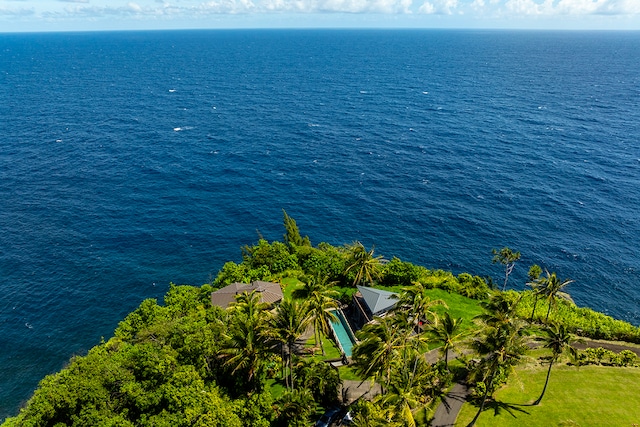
<point x="354" y="390"/>
<point x="447" y="412"/>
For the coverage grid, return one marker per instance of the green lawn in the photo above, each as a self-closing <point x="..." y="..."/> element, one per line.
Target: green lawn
<point x="577" y="396"/>
<point x="330" y="349"/>
<point x="459" y="306"/>
<point x="347" y="373"/>
<point x="291" y="284"/>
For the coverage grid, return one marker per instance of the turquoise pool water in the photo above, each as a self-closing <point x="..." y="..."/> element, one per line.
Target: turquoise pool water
<point x="343" y="333"/>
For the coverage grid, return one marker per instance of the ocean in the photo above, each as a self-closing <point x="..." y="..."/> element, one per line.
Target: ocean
<point x="129" y="160"/>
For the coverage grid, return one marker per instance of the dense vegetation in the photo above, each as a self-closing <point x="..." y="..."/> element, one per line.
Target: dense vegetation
<point x="189" y="363"/>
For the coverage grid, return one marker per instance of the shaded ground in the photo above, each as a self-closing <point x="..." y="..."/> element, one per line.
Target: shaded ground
<point x="354" y="390"/>
<point x="447" y="412"/>
<point x="615" y="346"/>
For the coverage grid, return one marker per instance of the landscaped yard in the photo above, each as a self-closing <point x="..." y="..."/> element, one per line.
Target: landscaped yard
<point x="459" y="306"/>
<point x="577" y="396"/>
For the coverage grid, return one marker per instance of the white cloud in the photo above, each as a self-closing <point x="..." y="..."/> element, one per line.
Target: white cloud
<point x="427" y="8"/>
<point x="6" y="11"/>
<point x="439" y="7"/>
<point x="619" y="7"/>
<point x="572" y="7"/>
<point x="231" y="7"/>
<point x="338" y="6"/>
<point x="134" y="7"/>
<point x="451" y="12"/>
<point x="527" y="7"/>
<point x="478" y="5"/>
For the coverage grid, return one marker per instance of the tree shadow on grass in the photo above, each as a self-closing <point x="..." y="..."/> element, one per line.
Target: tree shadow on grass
<point x="511" y="408"/>
<point x="500" y="407"/>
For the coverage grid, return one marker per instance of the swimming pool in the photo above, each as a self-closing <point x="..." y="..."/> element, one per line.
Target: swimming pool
<point x="342" y="332"/>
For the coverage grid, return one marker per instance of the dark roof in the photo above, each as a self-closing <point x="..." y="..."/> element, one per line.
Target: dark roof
<point x="270" y="293"/>
<point x="378" y="301"/>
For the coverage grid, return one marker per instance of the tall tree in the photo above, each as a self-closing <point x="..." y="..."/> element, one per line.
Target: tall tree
<point x="292" y="236"/>
<point x="247" y="343"/>
<point x="500" y="345"/>
<point x="381" y="345"/>
<point x="370" y="414"/>
<point x="502" y="348"/>
<point x="363" y="263"/>
<point x="508" y="259"/>
<point x="418" y="304"/>
<point x="447" y="332"/>
<point x="552" y="289"/>
<point x="321" y="302"/>
<point x="557" y="339"/>
<point x="407" y="391"/>
<point x="294" y="408"/>
<point x="289" y="323"/>
<point x="322" y="379"/>
<point x="499" y="309"/>
<point x="534" y="283"/>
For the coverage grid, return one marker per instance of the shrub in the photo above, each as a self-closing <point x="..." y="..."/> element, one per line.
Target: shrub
<point x="397" y="272"/>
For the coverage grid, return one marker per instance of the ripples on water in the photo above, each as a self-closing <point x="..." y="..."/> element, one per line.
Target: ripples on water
<point x="130" y="160"/>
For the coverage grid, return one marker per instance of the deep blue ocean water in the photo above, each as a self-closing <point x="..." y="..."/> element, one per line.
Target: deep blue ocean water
<point x="129" y="160"/>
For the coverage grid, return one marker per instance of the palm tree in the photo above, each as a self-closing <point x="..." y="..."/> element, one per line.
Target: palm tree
<point x="414" y="300"/>
<point x="408" y="341"/>
<point x="246" y="343"/>
<point x="321" y="378"/>
<point x="410" y="389"/>
<point x="557" y="340"/>
<point x="380" y="346"/>
<point x="552" y="288"/>
<point x="499" y="309"/>
<point x="508" y="258"/>
<point x="362" y="261"/>
<point x="294" y="408"/>
<point x="321" y="303"/>
<point x="447" y="332"/>
<point x="534" y="283"/>
<point x="370" y="414"/>
<point x="289" y="323"/>
<point x="501" y="346"/>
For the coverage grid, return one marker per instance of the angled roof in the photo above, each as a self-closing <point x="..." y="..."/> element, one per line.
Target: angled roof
<point x="269" y="292"/>
<point x="377" y="300"/>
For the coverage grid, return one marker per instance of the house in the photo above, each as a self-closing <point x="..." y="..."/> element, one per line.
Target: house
<point x="370" y="302"/>
<point x="271" y="293"/>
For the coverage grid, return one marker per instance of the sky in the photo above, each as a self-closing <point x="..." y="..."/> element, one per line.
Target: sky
<point x="84" y="15"/>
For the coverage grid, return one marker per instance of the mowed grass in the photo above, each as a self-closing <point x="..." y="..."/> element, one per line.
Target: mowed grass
<point x="576" y="396"/>
<point x="458" y="305"/>
<point x="291" y="284"/>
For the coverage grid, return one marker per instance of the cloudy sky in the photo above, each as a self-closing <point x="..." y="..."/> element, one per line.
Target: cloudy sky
<point x="64" y="15"/>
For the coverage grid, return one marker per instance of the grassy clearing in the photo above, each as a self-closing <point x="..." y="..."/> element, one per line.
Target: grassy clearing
<point x="459" y="306"/>
<point x="330" y="349"/>
<point x="576" y="396"/>
<point x="347" y="373"/>
<point x="291" y="284"/>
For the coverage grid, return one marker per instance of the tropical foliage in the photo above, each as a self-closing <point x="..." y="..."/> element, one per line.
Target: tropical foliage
<point x="186" y="362"/>
<point x="501" y="345"/>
